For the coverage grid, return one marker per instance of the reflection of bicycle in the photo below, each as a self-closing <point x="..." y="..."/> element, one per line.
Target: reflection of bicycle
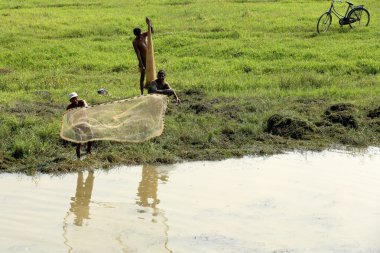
<point x="355" y="16"/>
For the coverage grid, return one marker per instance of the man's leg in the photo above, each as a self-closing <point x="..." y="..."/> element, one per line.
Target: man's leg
<point x="89" y="145"/>
<point x="78" y="150"/>
<point x="142" y="77"/>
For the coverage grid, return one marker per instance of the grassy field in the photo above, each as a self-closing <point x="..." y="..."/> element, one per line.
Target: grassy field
<point x="235" y="64"/>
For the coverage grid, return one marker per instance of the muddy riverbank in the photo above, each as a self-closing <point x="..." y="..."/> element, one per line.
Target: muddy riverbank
<point x="203" y="127"/>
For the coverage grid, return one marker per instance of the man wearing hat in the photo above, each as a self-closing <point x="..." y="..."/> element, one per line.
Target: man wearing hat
<point x="73" y="97"/>
<point x="74" y="103"/>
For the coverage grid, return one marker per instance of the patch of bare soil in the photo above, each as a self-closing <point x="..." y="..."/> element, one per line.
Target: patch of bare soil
<point x="289" y="127"/>
<point x="5" y="71"/>
<point x="40" y="109"/>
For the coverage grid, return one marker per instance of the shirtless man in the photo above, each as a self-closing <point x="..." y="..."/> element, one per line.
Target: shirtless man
<point x="140" y="46"/>
<point x="160" y="86"/>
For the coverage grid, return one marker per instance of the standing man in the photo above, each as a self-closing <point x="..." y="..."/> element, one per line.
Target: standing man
<point x="74" y="103"/>
<point x="140" y="46"/>
<point x="160" y="86"/>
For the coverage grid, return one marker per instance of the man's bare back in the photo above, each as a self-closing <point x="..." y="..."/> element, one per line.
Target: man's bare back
<point x="140" y="47"/>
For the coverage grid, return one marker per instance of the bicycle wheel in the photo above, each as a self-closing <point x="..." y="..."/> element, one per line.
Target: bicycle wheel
<point x="358" y="17"/>
<point x="324" y="22"/>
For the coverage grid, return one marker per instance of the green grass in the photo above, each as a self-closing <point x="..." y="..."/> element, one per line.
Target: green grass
<point x="234" y="62"/>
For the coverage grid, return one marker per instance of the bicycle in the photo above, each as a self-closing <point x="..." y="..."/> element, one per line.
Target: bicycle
<point x="355" y="16"/>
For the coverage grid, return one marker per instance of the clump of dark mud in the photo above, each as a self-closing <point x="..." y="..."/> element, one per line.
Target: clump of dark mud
<point x="289" y="127"/>
<point x="342" y="114"/>
<point x="374" y="113"/>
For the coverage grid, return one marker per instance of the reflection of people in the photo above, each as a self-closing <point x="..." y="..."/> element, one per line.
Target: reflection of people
<point x="74" y="103"/>
<point x="147" y="190"/>
<point x="80" y="204"/>
<point x="147" y="197"/>
<point x="159" y="86"/>
<point x="140" y="46"/>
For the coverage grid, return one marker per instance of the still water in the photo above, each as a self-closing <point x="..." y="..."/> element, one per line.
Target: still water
<point x="296" y="202"/>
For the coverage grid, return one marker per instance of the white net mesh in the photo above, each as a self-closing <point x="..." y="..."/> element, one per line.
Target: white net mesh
<point x="150" y="71"/>
<point x="131" y="120"/>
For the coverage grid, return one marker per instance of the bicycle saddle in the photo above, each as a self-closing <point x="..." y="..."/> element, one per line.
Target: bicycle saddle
<point x="349" y="3"/>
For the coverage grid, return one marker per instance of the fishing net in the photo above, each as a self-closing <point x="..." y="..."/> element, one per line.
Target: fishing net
<point x="150" y="70"/>
<point x="131" y="120"/>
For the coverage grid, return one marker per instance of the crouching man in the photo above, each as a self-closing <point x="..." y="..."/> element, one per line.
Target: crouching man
<point x="159" y="86"/>
<point x="74" y="103"/>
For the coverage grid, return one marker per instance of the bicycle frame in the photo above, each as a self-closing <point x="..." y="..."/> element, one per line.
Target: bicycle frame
<point x="336" y="13"/>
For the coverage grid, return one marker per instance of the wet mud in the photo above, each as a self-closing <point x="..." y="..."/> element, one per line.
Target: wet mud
<point x="289" y="127"/>
<point x="343" y="114"/>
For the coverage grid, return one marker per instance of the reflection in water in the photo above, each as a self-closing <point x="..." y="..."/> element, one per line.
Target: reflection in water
<point x="147" y="193"/>
<point x="80" y="204"/>
<point x="297" y="202"/>
<point x="121" y="227"/>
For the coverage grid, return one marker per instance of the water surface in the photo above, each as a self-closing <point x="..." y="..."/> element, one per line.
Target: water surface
<point x="296" y="202"/>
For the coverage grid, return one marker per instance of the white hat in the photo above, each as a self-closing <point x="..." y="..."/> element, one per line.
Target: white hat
<point x="73" y="95"/>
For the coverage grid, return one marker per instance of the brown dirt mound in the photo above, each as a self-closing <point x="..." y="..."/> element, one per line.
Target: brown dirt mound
<point x="342" y="114"/>
<point x="374" y="113"/>
<point x="289" y="127"/>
